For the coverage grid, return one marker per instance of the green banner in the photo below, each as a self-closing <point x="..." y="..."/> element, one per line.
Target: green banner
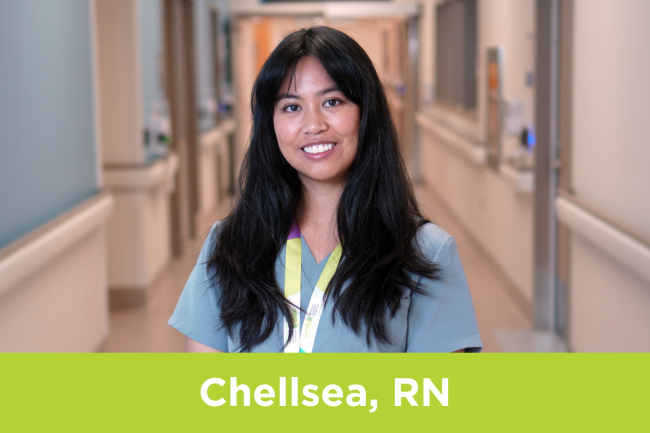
<point x="330" y="392"/>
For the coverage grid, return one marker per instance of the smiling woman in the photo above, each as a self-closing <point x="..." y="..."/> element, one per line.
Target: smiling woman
<point x="317" y="127"/>
<point x="325" y="249"/>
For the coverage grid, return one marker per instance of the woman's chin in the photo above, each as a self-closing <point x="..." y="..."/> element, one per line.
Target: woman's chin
<point x="323" y="178"/>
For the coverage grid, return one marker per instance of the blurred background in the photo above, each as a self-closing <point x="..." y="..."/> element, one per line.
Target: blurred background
<point x="523" y="122"/>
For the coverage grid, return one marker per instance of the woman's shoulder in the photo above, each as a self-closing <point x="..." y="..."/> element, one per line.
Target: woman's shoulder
<point x="215" y="226"/>
<point x="209" y="242"/>
<point x="431" y="238"/>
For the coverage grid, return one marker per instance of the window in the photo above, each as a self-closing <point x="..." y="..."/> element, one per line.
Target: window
<point x="456" y="41"/>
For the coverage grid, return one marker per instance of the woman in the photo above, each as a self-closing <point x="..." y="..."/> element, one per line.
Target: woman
<point x="325" y="227"/>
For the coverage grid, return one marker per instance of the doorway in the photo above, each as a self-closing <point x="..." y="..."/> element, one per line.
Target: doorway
<point x="179" y="57"/>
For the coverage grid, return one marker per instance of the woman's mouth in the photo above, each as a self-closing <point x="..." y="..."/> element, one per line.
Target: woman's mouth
<point x="317" y="149"/>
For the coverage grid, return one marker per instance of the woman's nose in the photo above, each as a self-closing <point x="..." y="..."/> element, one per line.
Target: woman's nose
<point x="314" y="122"/>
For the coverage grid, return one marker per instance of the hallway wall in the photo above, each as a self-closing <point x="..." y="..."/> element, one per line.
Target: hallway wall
<point x="610" y="162"/>
<point x="52" y="214"/>
<point x="487" y="202"/>
<point x="494" y="214"/>
<point x="609" y="301"/>
<point x="47" y="131"/>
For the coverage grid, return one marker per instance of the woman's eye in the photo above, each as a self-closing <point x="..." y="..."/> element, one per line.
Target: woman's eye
<point x="291" y="108"/>
<point x="332" y="103"/>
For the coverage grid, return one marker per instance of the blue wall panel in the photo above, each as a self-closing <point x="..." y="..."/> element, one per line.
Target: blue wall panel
<point x="203" y="50"/>
<point x="203" y="61"/>
<point x="153" y="49"/>
<point x="155" y="104"/>
<point x="47" y="140"/>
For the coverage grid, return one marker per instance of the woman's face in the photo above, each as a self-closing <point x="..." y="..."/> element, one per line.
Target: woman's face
<point x="317" y="127"/>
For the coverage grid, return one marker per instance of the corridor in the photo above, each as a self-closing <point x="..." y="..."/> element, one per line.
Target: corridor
<point x="145" y="329"/>
<point x="124" y="125"/>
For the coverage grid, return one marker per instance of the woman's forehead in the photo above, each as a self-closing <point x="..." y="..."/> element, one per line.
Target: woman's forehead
<point x="309" y="77"/>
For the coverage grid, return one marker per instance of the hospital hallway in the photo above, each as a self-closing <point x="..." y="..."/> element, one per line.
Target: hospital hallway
<point x="145" y="329"/>
<point x="124" y="125"/>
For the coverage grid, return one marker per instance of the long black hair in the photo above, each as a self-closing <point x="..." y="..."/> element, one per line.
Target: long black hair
<point x="377" y="217"/>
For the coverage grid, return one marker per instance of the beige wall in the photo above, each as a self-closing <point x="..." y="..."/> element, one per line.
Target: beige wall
<point x="62" y="307"/>
<point x="611" y="108"/>
<point x="610" y="303"/>
<point x="53" y="289"/>
<point x="120" y="81"/>
<point x="497" y="216"/>
<point x="139" y="231"/>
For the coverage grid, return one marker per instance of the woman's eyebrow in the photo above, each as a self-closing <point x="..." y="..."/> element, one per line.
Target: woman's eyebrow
<point x="288" y="96"/>
<point x="320" y="93"/>
<point x="329" y="90"/>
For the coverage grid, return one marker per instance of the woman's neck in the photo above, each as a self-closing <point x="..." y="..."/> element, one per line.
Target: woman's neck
<point x="317" y="217"/>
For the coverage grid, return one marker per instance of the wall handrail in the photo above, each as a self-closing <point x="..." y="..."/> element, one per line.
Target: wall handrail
<point x="522" y="180"/>
<point x="473" y="152"/>
<point x="24" y="256"/>
<point x="211" y="138"/>
<point x="631" y="250"/>
<point x="609" y="219"/>
<point x="145" y="176"/>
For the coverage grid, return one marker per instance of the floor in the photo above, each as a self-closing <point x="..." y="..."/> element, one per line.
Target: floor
<point x="146" y="330"/>
<point x="496" y="310"/>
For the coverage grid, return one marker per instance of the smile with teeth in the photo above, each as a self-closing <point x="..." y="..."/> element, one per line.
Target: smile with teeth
<point x="318" y="148"/>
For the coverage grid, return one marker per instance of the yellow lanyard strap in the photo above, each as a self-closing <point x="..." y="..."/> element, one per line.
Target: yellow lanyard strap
<point x="303" y="342"/>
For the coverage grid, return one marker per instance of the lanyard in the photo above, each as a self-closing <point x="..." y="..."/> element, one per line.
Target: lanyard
<point x="303" y="342"/>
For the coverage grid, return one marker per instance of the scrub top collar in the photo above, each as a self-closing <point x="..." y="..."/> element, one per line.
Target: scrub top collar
<point x="311" y="269"/>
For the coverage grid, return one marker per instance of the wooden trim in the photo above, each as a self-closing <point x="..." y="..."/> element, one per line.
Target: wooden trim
<point x="176" y="214"/>
<point x="216" y="64"/>
<point x="180" y="89"/>
<point x="191" y="116"/>
<point x="125" y="299"/>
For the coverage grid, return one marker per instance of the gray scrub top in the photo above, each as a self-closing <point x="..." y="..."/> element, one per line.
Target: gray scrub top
<point x="440" y="320"/>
